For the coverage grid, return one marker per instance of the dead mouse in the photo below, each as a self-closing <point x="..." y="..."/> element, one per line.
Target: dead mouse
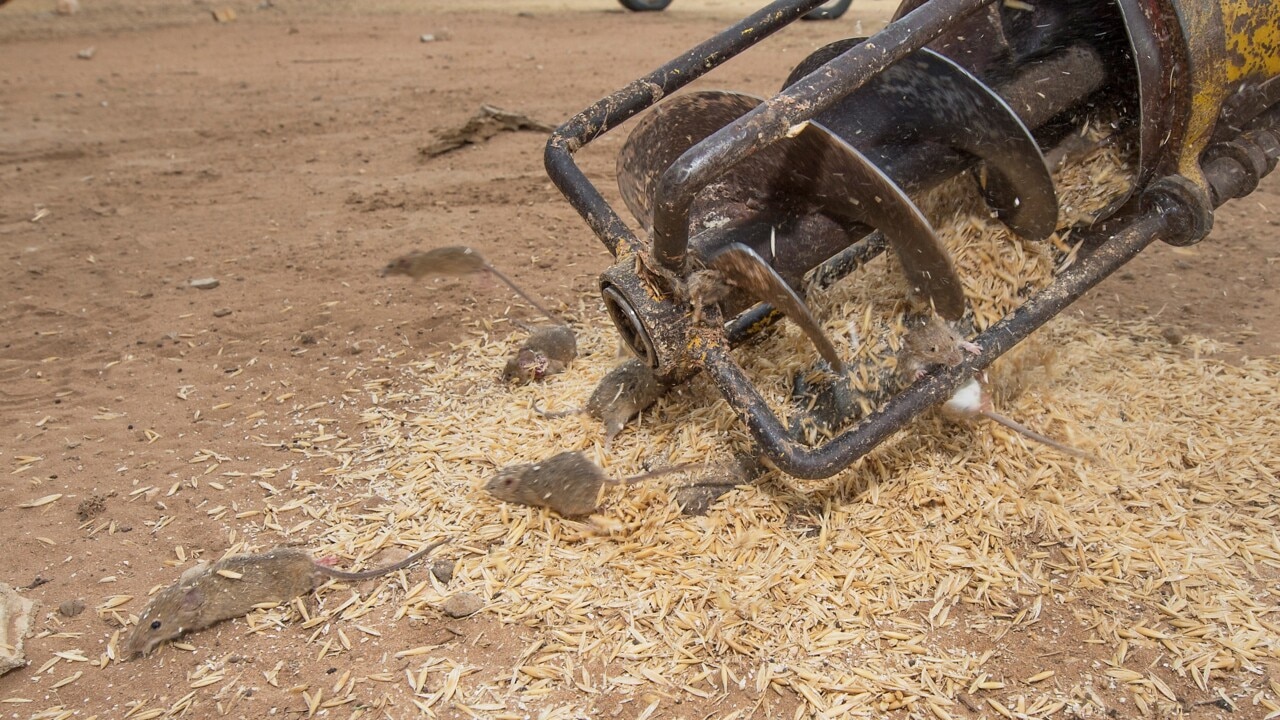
<point x="547" y="351"/>
<point x="971" y="400"/>
<point x="568" y="483"/>
<point x="931" y="344"/>
<point x="619" y="396"/>
<point x="454" y="261"/>
<point x="208" y="594"/>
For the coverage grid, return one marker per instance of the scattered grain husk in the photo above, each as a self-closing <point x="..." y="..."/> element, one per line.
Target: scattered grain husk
<point x="924" y="579"/>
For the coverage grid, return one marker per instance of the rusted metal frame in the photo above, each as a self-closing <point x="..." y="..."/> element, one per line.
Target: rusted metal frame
<point x="1057" y="83"/>
<point x="769" y="122"/>
<point x="1160" y="215"/>
<point x="615" y="109"/>
<point x="799" y="460"/>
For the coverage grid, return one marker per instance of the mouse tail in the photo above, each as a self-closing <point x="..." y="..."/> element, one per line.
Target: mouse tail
<point x="516" y="289"/>
<point x="1042" y="439"/>
<point x="552" y="415"/>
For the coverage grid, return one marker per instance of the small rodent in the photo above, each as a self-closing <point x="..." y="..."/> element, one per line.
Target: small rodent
<point x="971" y="400"/>
<point x="568" y="483"/>
<point x="620" y="395"/>
<point x="208" y="594"/>
<point x="454" y="261"/>
<point x="547" y="351"/>
<point x="938" y="343"/>
<point x="934" y="343"/>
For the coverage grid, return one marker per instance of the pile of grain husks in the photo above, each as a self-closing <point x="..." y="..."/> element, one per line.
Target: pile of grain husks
<point x="902" y="582"/>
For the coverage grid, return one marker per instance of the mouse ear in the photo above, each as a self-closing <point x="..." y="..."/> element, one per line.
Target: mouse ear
<point x="192" y="599"/>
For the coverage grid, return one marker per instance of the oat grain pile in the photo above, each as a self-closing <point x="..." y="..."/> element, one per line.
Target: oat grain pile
<point x="934" y="576"/>
<point x="957" y="571"/>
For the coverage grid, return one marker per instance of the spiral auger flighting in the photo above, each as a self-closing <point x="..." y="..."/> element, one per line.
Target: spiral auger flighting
<point x="760" y="194"/>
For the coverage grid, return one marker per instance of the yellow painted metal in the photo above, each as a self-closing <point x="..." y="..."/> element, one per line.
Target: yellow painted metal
<point x="1227" y="43"/>
<point x="1253" y="39"/>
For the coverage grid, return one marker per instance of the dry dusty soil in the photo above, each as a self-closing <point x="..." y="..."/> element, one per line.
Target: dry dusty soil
<point x="279" y="153"/>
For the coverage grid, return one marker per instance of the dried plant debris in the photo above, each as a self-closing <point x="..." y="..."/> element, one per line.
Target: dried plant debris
<point x="486" y="123"/>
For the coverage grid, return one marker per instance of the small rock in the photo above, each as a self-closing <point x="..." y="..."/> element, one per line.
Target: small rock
<point x="1172" y="335"/>
<point x="87" y="53"/>
<point x="68" y="7"/>
<point x="71" y="608"/>
<point x="224" y="15"/>
<point x="698" y="499"/>
<point x="204" y="283"/>
<point x="443" y="569"/>
<point x="460" y="605"/>
<point x="222" y="312"/>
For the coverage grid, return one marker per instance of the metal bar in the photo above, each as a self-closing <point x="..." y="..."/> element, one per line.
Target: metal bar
<point x="802" y="461"/>
<point x="616" y="108"/>
<point x="818" y="91"/>
<point x="1159" y="216"/>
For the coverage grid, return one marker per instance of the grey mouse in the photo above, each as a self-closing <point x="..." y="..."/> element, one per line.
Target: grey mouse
<point x="455" y="261"/>
<point x="568" y="483"/>
<point x="620" y="395"/>
<point x="208" y="594"/>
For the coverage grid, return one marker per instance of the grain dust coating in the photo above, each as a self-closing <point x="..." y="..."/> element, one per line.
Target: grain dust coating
<point x="208" y="594"/>
<point x="455" y="261"/>
<point x="568" y="483"/>
<point x="621" y="395"/>
<point x="547" y="351"/>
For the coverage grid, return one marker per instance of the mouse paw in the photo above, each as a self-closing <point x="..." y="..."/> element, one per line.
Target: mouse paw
<point x="971" y="347"/>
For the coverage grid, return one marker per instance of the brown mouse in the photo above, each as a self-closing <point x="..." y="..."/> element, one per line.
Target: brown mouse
<point x="568" y="483"/>
<point x="620" y="395"/>
<point x="547" y="351"/>
<point x="931" y="344"/>
<point x="208" y="594"/>
<point x="454" y="261"/>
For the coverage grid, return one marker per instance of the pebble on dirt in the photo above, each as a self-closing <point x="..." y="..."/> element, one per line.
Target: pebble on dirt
<point x="71" y="608"/>
<point x="221" y="312"/>
<point x="87" y="53"/>
<point x="205" y="283"/>
<point x="460" y="605"/>
<point x="443" y="569"/>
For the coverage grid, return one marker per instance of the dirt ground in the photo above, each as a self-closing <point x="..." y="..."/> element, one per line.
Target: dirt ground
<point x="279" y="154"/>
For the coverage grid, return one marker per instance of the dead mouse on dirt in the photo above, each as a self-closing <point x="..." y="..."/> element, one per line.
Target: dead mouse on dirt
<point x="454" y="261"/>
<point x="620" y="395"/>
<point x="208" y="594"/>
<point x="568" y="483"/>
<point x="938" y="343"/>
<point x="547" y="351"/>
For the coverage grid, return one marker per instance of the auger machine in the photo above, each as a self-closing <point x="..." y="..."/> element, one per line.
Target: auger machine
<point x="782" y="195"/>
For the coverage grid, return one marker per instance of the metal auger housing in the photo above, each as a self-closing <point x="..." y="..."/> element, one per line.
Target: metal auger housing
<point x="818" y="178"/>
